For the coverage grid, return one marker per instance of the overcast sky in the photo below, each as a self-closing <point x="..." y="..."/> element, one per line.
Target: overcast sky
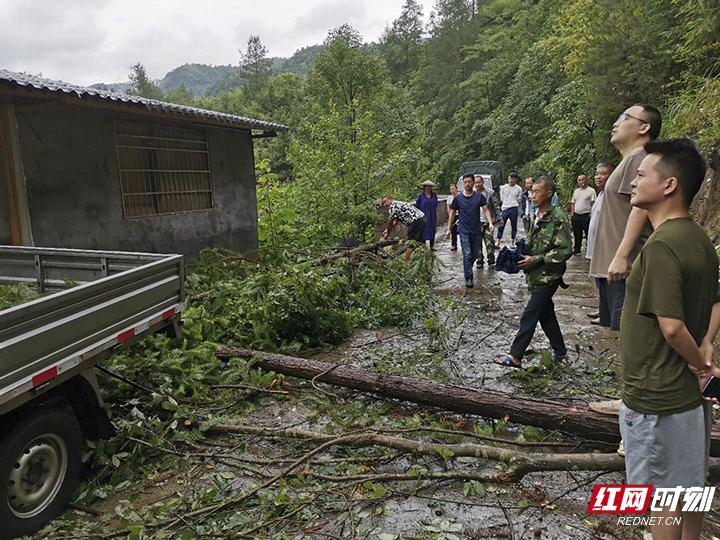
<point x="89" y="41"/>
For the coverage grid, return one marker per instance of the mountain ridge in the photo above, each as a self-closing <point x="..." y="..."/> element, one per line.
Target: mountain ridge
<point x="209" y="79"/>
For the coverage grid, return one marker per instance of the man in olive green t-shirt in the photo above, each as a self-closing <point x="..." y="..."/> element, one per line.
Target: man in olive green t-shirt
<point x="670" y="319"/>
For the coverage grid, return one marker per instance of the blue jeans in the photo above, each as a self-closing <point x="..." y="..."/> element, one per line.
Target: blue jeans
<point x="512" y="215"/>
<point x="471" y="245"/>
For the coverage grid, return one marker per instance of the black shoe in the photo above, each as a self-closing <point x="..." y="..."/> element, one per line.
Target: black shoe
<point x="469" y="283"/>
<point x="491" y="262"/>
<point x="479" y="264"/>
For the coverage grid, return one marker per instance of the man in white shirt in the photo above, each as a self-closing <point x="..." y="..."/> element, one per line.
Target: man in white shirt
<point x="510" y="195"/>
<point x="580" y="207"/>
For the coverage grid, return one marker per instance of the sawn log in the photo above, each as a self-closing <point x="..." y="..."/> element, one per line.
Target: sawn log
<point x="568" y="417"/>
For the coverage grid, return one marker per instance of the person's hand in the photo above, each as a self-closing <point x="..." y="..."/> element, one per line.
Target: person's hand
<point x="707" y="351"/>
<point x="702" y="382"/>
<point x="702" y="373"/>
<point x="384" y="235"/>
<point x="526" y="263"/>
<point x="447" y="235"/>
<point x="491" y="227"/>
<point x="619" y="269"/>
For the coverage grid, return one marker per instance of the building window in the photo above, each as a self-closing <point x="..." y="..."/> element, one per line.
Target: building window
<point x="163" y="169"/>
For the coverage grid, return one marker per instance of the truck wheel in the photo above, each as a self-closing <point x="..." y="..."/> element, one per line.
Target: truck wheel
<point x="39" y="470"/>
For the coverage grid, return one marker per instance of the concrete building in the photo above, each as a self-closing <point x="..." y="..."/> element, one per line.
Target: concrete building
<point x="92" y="169"/>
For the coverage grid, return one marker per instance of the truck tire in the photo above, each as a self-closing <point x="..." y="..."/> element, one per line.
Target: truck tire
<point x="39" y="470"/>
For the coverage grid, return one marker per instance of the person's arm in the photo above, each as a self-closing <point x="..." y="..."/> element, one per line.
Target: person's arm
<point x="679" y="338"/>
<point x="451" y="222"/>
<point x="572" y="208"/>
<point x="706" y="347"/>
<point x="620" y="265"/>
<point x="560" y="250"/>
<point x="390" y="226"/>
<point x="488" y="217"/>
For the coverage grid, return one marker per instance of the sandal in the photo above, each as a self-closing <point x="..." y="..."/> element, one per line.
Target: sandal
<point x="506" y="361"/>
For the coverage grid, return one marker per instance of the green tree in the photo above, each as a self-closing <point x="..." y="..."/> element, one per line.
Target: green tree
<point x="141" y="85"/>
<point x="400" y="43"/>
<point x="180" y="95"/>
<point x="254" y="64"/>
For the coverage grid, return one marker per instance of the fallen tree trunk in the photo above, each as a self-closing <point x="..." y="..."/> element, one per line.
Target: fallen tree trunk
<point x="572" y="418"/>
<point x="520" y="463"/>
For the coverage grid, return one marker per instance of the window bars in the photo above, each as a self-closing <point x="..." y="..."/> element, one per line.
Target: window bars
<point x="163" y="169"/>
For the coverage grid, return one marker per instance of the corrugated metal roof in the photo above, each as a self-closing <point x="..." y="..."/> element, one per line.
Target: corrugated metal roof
<point x="33" y="82"/>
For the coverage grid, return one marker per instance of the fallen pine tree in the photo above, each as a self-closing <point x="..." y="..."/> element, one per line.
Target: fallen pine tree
<point x="572" y="418"/>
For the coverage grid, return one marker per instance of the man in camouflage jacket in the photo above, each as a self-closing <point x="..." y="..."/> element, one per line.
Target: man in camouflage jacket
<point x="550" y="242"/>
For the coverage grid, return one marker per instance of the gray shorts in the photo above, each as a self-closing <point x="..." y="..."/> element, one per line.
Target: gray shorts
<point x="667" y="450"/>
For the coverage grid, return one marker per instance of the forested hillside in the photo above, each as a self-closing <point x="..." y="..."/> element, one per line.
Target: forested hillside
<point x="533" y="84"/>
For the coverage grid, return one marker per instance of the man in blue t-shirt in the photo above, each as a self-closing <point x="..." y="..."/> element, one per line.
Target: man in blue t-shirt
<point x="469" y="203"/>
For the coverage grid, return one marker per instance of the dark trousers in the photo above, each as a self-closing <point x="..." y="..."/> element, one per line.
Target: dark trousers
<point x="612" y="297"/>
<point x="540" y="308"/>
<point x="471" y="245"/>
<point x="453" y="235"/>
<point x="580" y="225"/>
<point x="512" y="215"/>
<point x="526" y="224"/>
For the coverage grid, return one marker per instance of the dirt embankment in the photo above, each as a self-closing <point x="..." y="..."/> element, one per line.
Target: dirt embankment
<point x="708" y="203"/>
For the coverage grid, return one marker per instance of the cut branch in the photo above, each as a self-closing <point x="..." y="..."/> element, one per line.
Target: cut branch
<point x="356" y="250"/>
<point x="519" y="463"/>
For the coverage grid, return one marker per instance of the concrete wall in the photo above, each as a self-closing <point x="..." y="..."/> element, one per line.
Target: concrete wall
<point x="74" y="190"/>
<point x="4" y="204"/>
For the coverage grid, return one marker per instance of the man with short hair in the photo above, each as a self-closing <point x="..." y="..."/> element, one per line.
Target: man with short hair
<point x="550" y="244"/>
<point x="602" y="172"/>
<point x="487" y="234"/>
<point x="470" y="204"/>
<point x="410" y="216"/>
<point x="510" y="194"/>
<point x="622" y="229"/>
<point x="581" y="204"/>
<point x="670" y="320"/>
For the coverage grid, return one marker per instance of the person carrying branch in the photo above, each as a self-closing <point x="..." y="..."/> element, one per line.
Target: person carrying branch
<point x="408" y="215"/>
<point x="550" y="242"/>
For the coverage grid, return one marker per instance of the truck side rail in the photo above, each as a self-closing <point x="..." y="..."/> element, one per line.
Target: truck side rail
<point x="41" y="339"/>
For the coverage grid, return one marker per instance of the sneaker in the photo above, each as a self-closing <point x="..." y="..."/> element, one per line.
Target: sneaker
<point x="479" y="264"/>
<point x="453" y="248"/>
<point x="559" y="357"/>
<point x="469" y="283"/>
<point x="606" y="407"/>
<point x="595" y="321"/>
<point x="621" y="448"/>
<point x="491" y="262"/>
<point x="593" y="315"/>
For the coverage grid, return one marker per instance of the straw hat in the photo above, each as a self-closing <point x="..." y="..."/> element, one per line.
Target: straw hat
<point x="428" y="183"/>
